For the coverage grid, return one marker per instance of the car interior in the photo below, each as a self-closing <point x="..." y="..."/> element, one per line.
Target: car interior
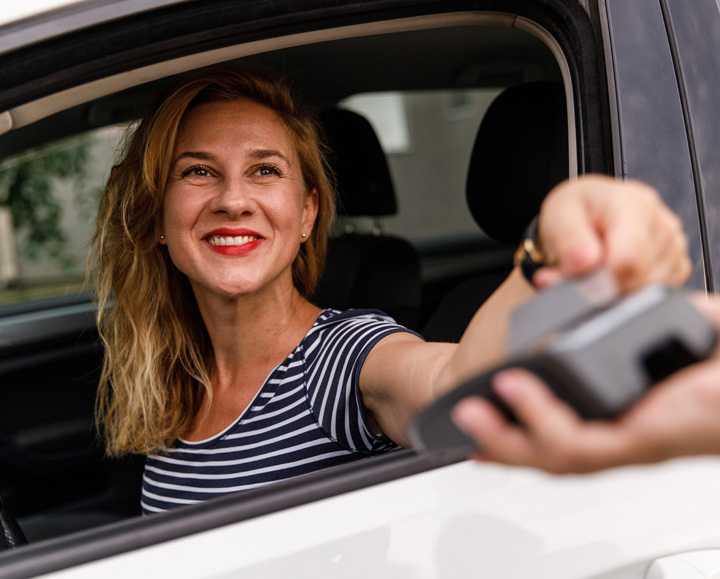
<point x="445" y="137"/>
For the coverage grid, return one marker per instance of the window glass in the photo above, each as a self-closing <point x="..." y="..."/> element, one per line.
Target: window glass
<point x="427" y="137"/>
<point x="387" y="114"/>
<point x="48" y="201"/>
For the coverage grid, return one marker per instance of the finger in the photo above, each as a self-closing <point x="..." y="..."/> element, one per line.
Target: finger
<point x="557" y="439"/>
<point x="584" y="447"/>
<point x="534" y="404"/>
<point x="567" y="233"/>
<point x="550" y="429"/>
<point x="546" y="277"/>
<point x="664" y="271"/>
<point x="708" y="305"/>
<point x="679" y="415"/>
<point x="652" y="249"/>
<point x="627" y="215"/>
<point x="672" y="259"/>
<point x="495" y="438"/>
<point x="669" y="265"/>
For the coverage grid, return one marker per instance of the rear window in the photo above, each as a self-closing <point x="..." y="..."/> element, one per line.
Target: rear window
<point x="427" y="137"/>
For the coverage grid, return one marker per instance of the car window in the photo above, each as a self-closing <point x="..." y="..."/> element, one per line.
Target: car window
<point x="48" y="201"/>
<point x="427" y="137"/>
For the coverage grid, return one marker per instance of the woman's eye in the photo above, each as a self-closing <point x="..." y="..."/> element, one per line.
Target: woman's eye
<point x="267" y="171"/>
<point x="196" y="171"/>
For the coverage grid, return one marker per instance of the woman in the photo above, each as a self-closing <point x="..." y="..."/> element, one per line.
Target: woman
<point x="211" y="238"/>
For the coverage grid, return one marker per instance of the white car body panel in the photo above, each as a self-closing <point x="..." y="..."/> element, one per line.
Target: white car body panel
<point x="464" y="520"/>
<point x="693" y="565"/>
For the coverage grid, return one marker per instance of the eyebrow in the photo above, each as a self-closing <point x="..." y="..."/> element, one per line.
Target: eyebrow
<point x="268" y="153"/>
<point x="255" y="154"/>
<point x="194" y="155"/>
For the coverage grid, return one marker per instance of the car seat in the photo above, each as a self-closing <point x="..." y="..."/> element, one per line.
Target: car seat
<point x="366" y="270"/>
<point x="520" y="154"/>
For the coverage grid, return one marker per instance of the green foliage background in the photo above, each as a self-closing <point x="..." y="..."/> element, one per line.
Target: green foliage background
<point x="26" y="187"/>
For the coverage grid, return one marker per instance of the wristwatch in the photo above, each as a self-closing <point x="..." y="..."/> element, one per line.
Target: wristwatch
<point x="529" y="255"/>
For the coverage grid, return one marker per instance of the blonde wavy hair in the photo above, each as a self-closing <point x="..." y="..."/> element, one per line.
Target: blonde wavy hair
<point x="158" y="355"/>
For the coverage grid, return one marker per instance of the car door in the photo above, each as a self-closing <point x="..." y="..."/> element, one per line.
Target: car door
<point x="665" y="123"/>
<point x="698" y="71"/>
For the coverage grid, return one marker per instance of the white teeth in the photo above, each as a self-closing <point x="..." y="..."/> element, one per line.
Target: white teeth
<point x="226" y="240"/>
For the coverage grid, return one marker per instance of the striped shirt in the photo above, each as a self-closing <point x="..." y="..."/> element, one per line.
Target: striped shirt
<point x="307" y="416"/>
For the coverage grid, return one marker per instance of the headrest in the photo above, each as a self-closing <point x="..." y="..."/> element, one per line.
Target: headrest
<point x="364" y="184"/>
<point x="520" y="153"/>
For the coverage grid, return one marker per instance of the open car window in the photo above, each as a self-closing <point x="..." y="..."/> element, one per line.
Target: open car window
<point x="426" y="110"/>
<point x="427" y="137"/>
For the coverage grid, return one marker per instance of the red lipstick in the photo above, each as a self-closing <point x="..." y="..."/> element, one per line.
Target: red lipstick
<point x="229" y="241"/>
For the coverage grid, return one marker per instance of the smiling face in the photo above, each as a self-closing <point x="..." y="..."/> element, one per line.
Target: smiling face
<point x="235" y="207"/>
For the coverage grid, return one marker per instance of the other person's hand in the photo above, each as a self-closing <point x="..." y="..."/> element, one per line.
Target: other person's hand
<point x="679" y="416"/>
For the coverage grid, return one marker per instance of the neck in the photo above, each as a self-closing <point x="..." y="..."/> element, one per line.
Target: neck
<point x="251" y="335"/>
<point x="255" y="332"/>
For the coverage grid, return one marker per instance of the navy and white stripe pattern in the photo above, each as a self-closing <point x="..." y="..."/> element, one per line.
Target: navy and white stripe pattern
<point x="307" y="416"/>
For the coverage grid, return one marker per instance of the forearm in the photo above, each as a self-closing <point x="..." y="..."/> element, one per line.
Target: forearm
<point x="583" y="224"/>
<point x="485" y="340"/>
<point x="403" y="376"/>
<point x="397" y="381"/>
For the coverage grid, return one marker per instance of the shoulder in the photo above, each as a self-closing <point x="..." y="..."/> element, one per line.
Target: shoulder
<point x="355" y="325"/>
<point x="347" y="334"/>
<point x="330" y="317"/>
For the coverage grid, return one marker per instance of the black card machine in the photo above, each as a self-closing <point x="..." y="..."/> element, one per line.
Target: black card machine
<point x="597" y="352"/>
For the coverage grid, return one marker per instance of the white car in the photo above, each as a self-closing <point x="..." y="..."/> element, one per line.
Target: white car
<point x="480" y="106"/>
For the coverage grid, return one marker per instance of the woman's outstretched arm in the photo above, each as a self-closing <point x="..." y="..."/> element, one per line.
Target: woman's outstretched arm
<point x="583" y="224"/>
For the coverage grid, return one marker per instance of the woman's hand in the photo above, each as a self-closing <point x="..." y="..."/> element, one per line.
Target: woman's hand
<point x="679" y="416"/>
<point x="584" y="223"/>
<point x="623" y="225"/>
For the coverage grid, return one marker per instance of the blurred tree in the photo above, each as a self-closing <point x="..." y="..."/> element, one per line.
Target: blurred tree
<point x="27" y="189"/>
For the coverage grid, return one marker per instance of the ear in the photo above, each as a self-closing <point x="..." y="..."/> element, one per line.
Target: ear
<point x="310" y="211"/>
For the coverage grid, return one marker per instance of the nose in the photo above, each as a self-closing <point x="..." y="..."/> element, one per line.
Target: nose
<point x="234" y="198"/>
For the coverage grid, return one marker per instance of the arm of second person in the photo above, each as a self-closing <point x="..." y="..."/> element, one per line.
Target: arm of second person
<point x="677" y="417"/>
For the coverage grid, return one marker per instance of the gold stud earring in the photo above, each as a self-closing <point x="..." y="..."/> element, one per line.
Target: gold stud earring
<point x="304" y="235"/>
<point x="162" y="237"/>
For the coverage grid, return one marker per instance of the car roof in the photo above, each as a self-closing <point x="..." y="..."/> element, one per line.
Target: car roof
<point x="22" y="10"/>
